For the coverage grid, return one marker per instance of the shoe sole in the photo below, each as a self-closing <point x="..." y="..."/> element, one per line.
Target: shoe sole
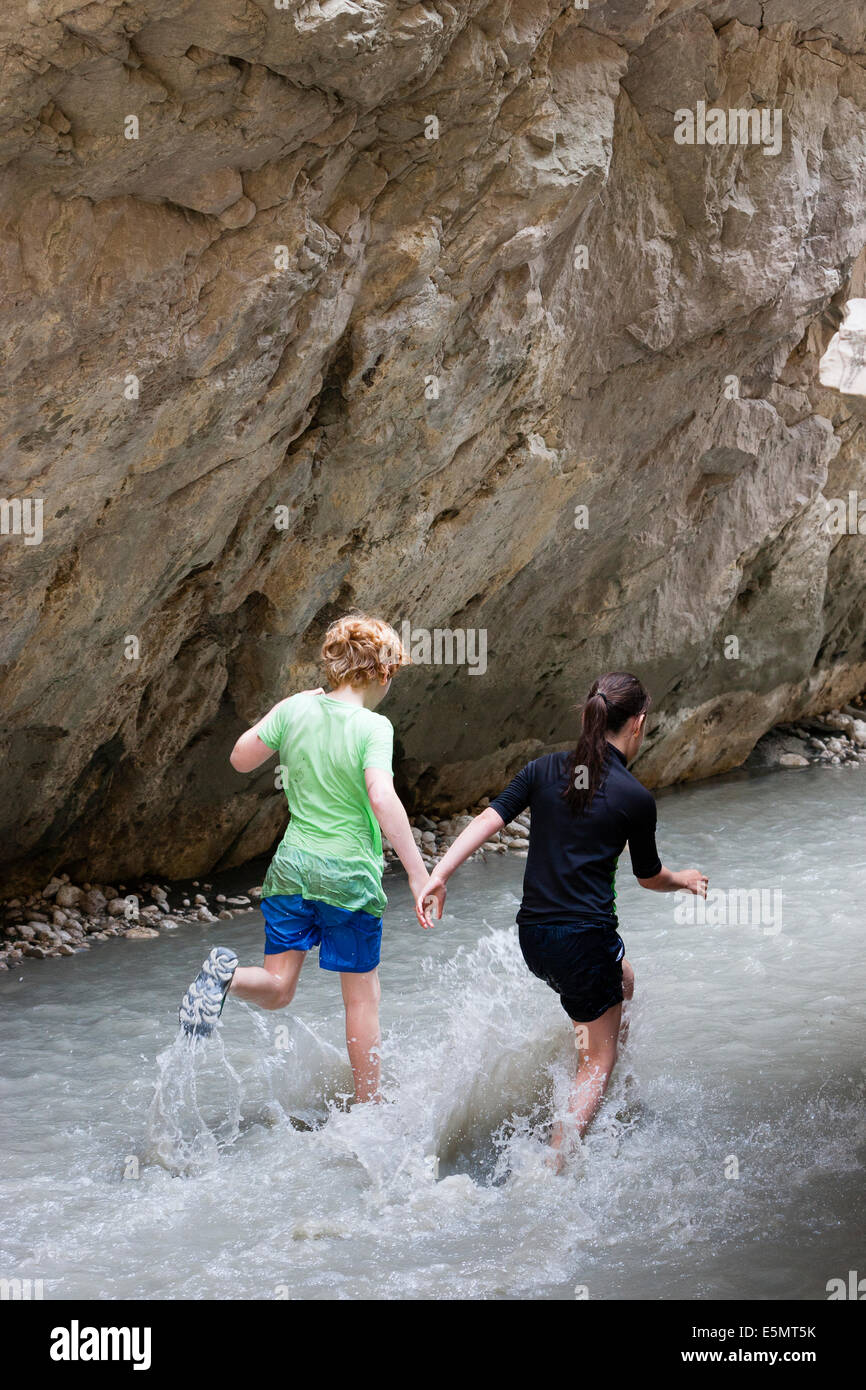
<point x="205" y="999"/>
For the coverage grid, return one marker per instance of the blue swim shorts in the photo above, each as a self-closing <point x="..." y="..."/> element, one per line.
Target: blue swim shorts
<point x="348" y="941"/>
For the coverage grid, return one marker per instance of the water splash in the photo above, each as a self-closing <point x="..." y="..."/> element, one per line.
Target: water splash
<point x="202" y="1104"/>
<point x="193" y="1074"/>
<point x="457" y="1103"/>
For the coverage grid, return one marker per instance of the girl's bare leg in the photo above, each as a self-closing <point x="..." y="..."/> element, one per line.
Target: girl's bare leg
<point x="627" y="996"/>
<point x="596" y="1054"/>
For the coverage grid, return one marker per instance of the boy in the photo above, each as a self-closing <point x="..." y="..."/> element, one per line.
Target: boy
<point x="324" y="884"/>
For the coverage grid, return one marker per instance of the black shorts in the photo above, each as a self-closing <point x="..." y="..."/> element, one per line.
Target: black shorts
<point x="582" y="962"/>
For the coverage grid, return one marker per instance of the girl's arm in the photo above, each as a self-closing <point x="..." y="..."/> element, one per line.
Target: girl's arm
<point x="249" y="752"/>
<point x="467" y="842"/>
<point x="668" y="881"/>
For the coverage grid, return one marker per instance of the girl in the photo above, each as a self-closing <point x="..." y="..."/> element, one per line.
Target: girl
<point x="585" y="806"/>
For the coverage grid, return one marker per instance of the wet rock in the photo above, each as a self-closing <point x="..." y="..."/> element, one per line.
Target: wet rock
<point x="68" y="895"/>
<point x="94" y="902"/>
<point x="140" y="933"/>
<point x="793" y="760"/>
<point x="770" y="750"/>
<point x="843" y="723"/>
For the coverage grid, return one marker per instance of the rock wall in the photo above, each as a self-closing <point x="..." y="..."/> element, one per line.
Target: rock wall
<point x="338" y="304"/>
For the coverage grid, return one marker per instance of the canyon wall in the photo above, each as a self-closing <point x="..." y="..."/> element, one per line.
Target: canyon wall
<point x="433" y="309"/>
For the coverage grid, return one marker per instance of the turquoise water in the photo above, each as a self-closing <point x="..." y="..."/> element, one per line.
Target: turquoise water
<point x="133" y="1167"/>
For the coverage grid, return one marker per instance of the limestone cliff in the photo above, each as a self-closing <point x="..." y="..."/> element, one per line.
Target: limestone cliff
<point x="426" y="308"/>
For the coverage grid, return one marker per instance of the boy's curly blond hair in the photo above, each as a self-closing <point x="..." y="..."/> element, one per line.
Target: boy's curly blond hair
<point x="359" y="650"/>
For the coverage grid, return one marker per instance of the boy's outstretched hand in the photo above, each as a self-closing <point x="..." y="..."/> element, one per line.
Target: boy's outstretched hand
<point x="429" y="898"/>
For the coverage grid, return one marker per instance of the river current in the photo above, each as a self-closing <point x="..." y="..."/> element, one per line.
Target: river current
<point x="726" y="1162"/>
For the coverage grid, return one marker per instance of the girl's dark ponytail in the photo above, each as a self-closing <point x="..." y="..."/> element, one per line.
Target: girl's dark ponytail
<point x="612" y="700"/>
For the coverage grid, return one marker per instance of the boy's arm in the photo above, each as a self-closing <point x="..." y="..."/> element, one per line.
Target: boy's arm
<point x="391" y="815"/>
<point x="467" y="842"/>
<point x="250" y="752"/>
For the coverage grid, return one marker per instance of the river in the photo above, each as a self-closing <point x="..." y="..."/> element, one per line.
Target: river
<point x="726" y="1161"/>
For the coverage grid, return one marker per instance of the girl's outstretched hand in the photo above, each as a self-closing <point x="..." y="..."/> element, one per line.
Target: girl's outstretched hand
<point x="693" y="881"/>
<point x="430" y="899"/>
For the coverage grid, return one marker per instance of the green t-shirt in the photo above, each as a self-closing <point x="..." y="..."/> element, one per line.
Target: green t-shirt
<point x="332" y="848"/>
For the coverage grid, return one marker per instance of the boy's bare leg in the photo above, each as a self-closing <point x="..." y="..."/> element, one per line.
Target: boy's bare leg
<point x="596" y="1054"/>
<point x="361" y="998"/>
<point x="271" y="986"/>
